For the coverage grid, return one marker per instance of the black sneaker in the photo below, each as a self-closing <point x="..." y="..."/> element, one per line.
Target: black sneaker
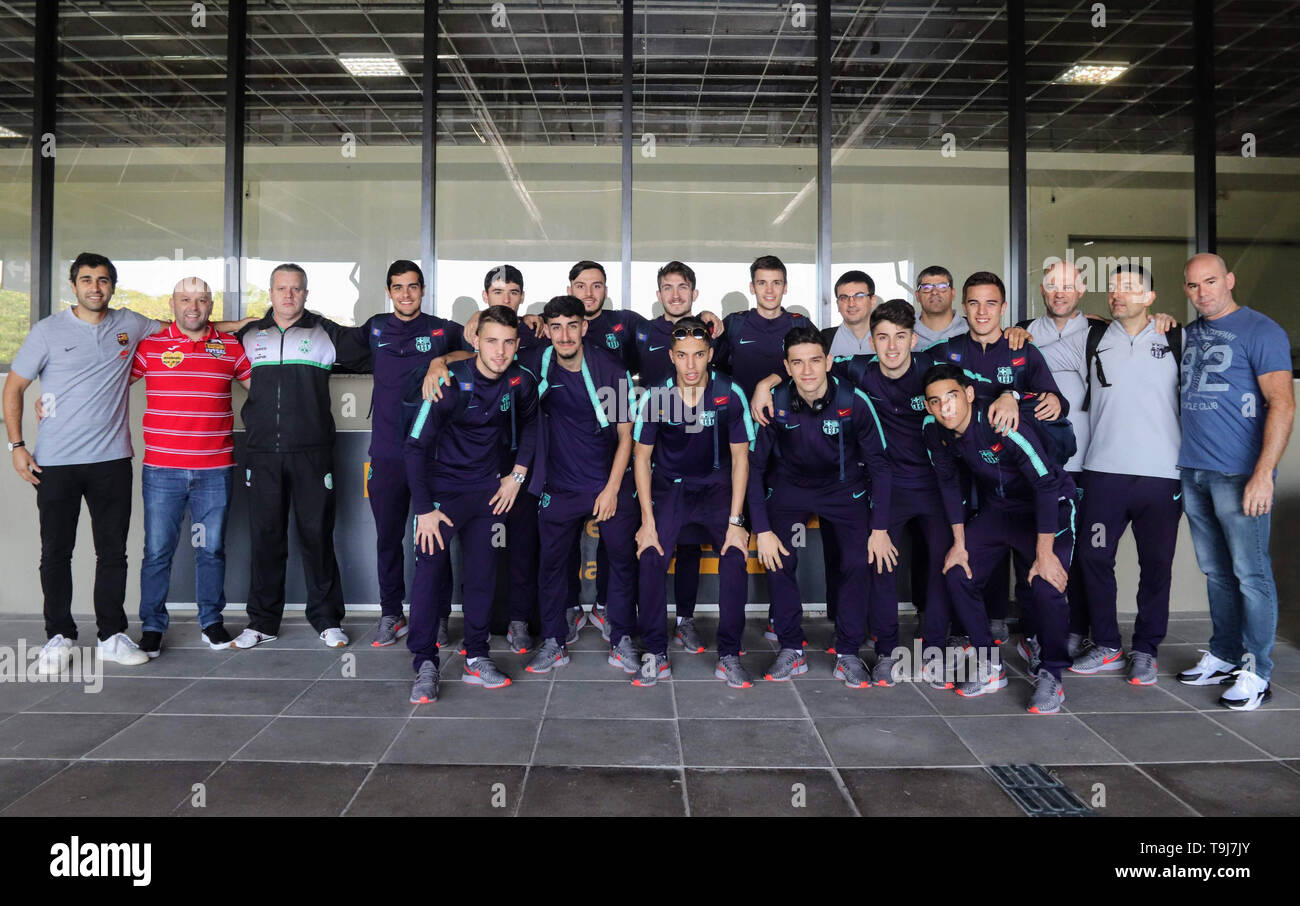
<point x="216" y="636"/>
<point x="151" y="643"/>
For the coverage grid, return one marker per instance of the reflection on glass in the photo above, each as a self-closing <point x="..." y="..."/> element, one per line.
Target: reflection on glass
<point x="724" y="161"/>
<point x="17" y="45"/>
<point x="918" y="144"/>
<point x="1110" y="167"/>
<point x="529" y="147"/>
<point x="1258" y="138"/>
<point x="332" y="164"/>
<point x="138" y="169"/>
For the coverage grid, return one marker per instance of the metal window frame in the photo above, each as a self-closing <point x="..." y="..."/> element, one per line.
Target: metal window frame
<point x="1203" y="138"/>
<point x="429" y="159"/>
<point x="44" y="121"/>
<point x="232" y="240"/>
<point x="1017" y="280"/>
<point x="44" y="110"/>
<point x="824" y="277"/>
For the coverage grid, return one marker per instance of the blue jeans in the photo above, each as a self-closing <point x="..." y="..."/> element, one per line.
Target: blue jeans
<point x="167" y="494"/>
<point x="1232" y="550"/>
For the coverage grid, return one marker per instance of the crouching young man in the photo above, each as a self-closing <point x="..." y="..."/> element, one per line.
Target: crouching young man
<point x="458" y="464"/>
<point x="821" y="434"/>
<point x="693" y="437"/>
<point x="1028" y="509"/>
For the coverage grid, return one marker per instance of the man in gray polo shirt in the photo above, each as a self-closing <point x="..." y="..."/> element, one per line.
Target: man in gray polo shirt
<point x="82" y="357"/>
<point x="1130" y="475"/>
<point x="937" y="321"/>
<point x="855" y="294"/>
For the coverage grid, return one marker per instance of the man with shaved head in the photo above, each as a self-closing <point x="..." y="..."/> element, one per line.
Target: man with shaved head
<point x="1238" y="404"/>
<point x="188" y="458"/>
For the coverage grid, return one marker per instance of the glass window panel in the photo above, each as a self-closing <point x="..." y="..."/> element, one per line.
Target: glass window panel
<point x="332" y="162"/>
<point x="1110" y="165"/>
<point x="724" y="162"/>
<point x="1256" y="69"/>
<point x="919" y="142"/>
<point x="17" y="45"/>
<point x="140" y="134"/>
<point x="529" y="146"/>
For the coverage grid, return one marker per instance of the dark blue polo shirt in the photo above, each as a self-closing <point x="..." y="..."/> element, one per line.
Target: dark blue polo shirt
<point x="580" y="414"/>
<point x="998" y="368"/>
<point x="692" y="443"/>
<point x="614" y="331"/>
<point x="460" y="444"/>
<point x="803" y="448"/>
<point x="1012" y="473"/>
<point x="401" y="349"/>
<point x="900" y="404"/>
<point x="753" y="347"/>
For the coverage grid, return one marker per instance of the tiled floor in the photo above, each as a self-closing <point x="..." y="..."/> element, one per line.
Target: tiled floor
<point x="295" y="729"/>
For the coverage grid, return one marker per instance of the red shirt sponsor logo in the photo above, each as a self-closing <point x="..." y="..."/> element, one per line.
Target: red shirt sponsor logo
<point x="845" y="413"/>
<point x="188" y="420"/>
<point x="1016" y="363"/>
<point x="719" y="401"/>
<point x="515" y="381"/>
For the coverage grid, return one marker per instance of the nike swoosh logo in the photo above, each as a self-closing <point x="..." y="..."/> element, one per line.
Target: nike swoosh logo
<point x="382" y="345"/>
<point x="858" y="494"/>
<point x="472" y="406"/>
<point x="743" y="342"/>
<point x="1179" y="494"/>
<point x="655" y="348"/>
<point x="788" y="427"/>
<point x="68" y="348"/>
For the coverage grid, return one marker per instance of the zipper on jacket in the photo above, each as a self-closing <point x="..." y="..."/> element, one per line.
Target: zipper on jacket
<point x="279" y="380"/>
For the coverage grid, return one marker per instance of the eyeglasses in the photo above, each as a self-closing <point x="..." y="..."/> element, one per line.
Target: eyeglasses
<point x="1053" y="288"/>
<point x="845" y="298"/>
<point x="693" y="333"/>
<point x="934" y="287"/>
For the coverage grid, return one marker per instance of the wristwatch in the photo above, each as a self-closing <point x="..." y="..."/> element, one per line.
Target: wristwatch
<point x="16" y="444"/>
<point x="1015" y="395"/>
<point x="518" y="477"/>
<point x="737" y="520"/>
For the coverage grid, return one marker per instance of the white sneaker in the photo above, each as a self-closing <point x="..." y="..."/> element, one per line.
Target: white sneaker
<point x="334" y="638"/>
<point x="251" y="638"/>
<point x="1247" y="693"/>
<point x="121" y="650"/>
<point x="1209" y="671"/>
<point x="55" y="656"/>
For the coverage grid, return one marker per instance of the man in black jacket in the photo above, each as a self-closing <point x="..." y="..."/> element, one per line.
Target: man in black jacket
<point x="289" y="455"/>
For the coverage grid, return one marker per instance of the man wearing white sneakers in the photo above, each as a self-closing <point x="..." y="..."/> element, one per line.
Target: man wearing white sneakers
<point x="1238" y="406"/>
<point x="289" y="455"/>
<point x="82" y="356"/>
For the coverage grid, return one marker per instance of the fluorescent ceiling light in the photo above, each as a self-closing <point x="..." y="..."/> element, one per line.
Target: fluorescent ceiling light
<point x="372" y="66"/>
<point x="1093" y="73"/>
<point x="448" y="56"/>
<point x="6" y="132"/>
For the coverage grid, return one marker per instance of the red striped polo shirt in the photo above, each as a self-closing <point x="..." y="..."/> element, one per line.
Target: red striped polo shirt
<point x="189" y="419"/>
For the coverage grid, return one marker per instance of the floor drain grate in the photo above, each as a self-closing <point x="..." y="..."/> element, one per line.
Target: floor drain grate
<point x="1037" y="792"/>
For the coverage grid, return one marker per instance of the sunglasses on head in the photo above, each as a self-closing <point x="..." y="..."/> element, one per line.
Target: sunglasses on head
<point x="692" y="333"/>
